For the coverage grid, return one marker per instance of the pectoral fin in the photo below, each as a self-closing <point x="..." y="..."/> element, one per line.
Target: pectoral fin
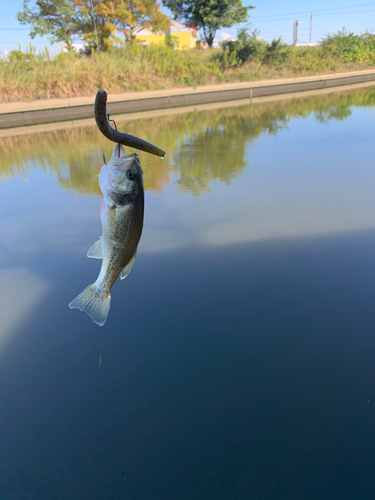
<point x="128" y="267"/>
<point x="96" y="251"/>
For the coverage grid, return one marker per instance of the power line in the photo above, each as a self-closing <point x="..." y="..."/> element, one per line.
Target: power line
<point x="355" y="12"/>
<point x="287" y="33"/>
<point x="320" y="15"/>
<point x="346" y="7"/>
<point x="315" y="10"/>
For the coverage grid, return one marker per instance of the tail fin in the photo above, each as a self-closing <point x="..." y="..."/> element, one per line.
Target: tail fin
<point x="90" y="302"/>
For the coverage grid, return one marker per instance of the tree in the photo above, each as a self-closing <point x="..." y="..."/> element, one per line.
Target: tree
<point x="113" y="17"/>
<point x="98" y="22"/>
<point x="95" y="27"/>
<point x="57" y="18"/>
<point x="127" y="15"/>
<point x="209" y="15"/>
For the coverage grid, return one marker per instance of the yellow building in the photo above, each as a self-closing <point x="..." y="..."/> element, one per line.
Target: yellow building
<point x="184" y="36"/>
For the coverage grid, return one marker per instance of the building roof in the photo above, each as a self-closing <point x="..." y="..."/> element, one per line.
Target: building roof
<point x="175" y="27"/>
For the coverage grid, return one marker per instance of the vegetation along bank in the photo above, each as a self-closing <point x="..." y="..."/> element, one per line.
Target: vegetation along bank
<point x="29" y="75"/>
<point x="131" y="46"/>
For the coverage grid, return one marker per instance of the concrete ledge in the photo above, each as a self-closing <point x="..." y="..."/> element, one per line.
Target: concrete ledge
<point x="84" y="122"/>
<point x="221" y="93"/>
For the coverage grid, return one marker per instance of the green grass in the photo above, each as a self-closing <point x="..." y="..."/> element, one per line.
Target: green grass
<point x="27" y="75"/>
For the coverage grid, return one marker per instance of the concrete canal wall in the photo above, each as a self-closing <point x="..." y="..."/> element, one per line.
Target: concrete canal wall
<point x="59" y="110"/>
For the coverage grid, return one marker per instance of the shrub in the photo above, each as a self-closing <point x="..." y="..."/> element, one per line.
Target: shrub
<point x="278" y="51"/>
<point x="247" y="47"/>
<point x="349" y="47"/>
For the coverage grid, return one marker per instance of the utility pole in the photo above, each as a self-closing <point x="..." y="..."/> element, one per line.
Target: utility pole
<point x="295" y="31"/>
<point x="96" y="33"/>
<point x="311" y="18"/>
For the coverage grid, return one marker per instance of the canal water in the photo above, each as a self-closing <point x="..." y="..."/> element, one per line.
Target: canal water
<point x="238" y="358"/>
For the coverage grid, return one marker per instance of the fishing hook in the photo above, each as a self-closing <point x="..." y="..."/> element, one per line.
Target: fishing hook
<point x="112" y="121"/>
<point x="101" y="118"/>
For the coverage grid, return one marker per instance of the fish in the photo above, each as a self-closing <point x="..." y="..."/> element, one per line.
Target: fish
<point x="121" y="182"/>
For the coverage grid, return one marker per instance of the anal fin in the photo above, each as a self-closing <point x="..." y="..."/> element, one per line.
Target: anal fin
<point x="128" y="267"/>
<point x="96" y="251"/>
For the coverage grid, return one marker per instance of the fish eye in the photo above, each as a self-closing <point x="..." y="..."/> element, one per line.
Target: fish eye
<point x="130" y="174"/>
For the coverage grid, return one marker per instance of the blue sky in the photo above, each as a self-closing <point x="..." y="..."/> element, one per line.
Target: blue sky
<point x="273" y="18"/>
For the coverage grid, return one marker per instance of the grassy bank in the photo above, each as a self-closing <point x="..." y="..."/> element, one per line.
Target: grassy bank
<point x="28" y="76"/>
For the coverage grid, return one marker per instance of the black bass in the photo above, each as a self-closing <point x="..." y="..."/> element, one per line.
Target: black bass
<point x="121" y="182"/>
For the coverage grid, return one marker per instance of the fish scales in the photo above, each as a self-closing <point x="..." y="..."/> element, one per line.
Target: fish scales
<point x="118" y="227"/>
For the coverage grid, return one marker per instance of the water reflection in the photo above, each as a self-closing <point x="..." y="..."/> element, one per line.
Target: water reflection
<point x="202" y="146"/>
<point x="244" y="335"/>
<point x="17" y="282"/>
